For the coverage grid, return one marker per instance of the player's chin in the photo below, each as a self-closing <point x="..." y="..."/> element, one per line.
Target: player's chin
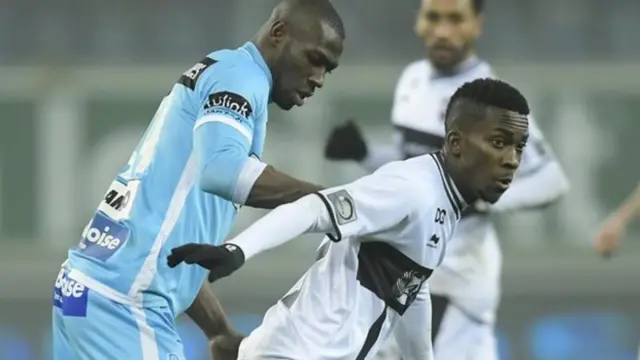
<point x="443" y="60"/>
<point x="285" y="104"/>
<point x="492" y="194"/>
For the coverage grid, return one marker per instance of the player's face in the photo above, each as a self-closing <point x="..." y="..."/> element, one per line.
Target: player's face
<point x="305" y="60"/>
<point x="491" y="152"/>
<point x="449" y="29"/>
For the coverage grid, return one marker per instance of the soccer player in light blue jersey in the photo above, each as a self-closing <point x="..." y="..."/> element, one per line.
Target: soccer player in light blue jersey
<point x="197" y="163"/>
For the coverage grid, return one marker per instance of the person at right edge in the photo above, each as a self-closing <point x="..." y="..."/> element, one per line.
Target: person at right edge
<point x="465" y="291"/>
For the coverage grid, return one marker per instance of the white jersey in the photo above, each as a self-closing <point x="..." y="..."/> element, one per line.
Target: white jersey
<point x="391" y="230"/>
<point x="470" y="274"/>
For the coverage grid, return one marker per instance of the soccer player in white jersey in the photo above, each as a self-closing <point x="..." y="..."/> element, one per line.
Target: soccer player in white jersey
<point x="386" y="233"/>
<point x="198" y="162"/>
<point x="466" y="289"/>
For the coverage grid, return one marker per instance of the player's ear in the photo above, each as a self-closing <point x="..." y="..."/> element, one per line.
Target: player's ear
<point x="277" y="32"/>
<point x="419" y="26"/>
<point x="478" y="25"/>
<point x="454" y="143"/>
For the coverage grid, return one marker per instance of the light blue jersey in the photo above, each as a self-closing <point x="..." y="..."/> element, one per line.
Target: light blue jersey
<point x="205" y="130"/>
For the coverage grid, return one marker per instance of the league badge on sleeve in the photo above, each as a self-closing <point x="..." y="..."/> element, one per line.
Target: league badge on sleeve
<point x="344" y="206"/>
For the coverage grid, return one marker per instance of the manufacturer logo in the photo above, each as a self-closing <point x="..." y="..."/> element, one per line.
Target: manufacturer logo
<point x="229" y="101"/>
<point x="190" y="77"/>
<point x="433" y="241"/>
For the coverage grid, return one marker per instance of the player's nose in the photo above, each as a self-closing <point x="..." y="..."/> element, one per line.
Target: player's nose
<point x="316" y="80"/>
<point x="511" y="159"/>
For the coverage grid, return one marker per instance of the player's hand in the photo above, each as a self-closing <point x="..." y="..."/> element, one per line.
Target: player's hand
<point x="345" y="142"/>
<point x="608" y="237"/>
<point x="225" y="347"/>
<point x="220" y="260"/>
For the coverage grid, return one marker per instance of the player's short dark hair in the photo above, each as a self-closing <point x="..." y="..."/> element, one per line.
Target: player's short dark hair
<point x="487" y="92"/>
<point x="320" y="9"/>
<point x="478" y="6"/>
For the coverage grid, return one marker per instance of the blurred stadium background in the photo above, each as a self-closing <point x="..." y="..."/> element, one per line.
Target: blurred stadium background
<point x="81" y="80"/>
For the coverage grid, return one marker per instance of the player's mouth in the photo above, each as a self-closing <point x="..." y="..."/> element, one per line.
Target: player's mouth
<point x="442" y="51"/>
<point x="503" y="183"/>
<point x="300" y="96"/>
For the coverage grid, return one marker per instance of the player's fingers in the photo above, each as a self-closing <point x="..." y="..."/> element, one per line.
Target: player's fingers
<point x="186" y="249"/>
<point x="206" y="257"/>
<point x="174" y="260"/>
<point x="178" y="254"/>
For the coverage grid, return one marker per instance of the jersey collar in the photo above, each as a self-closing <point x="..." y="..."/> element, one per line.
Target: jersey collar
<point x="455" y="198"/>
<point x="252" y="51"/>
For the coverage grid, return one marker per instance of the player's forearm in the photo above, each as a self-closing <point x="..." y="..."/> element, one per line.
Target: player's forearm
<point x="380" y="155"/>
<point x="207" y="313"/>
<point x="535" y="190"/>
<point x="630" y="209"/>
<point x="283" y="224"/>
<point x="274" y="188"/>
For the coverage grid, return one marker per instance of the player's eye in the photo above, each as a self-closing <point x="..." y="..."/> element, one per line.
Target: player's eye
<point x="456" y="18"/>
<point x="498" y="143"/>
<point x="520" y="147"/>
<point x="431" y="16"/>
<point x="315" y="59"/>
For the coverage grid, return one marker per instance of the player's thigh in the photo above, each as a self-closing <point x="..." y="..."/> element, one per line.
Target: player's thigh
<point x="459" y="336"/>
<point x="114" y="331"/>
<point x="160" y="332"/>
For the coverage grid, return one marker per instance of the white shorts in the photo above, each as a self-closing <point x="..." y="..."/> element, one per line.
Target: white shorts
<point x="456" y="336"/>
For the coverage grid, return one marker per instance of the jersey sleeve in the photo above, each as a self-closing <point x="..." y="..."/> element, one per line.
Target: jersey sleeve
<point x="371" y="204"/>
<point x="230" y="100"/>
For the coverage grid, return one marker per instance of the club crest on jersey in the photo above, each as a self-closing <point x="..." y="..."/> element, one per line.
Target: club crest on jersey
<point x="408" y="286"/>
<point x="229" y="101"/>
<point x="190" y="77"/>
<point x="69" y="295"/>
<point x="102" y="237"/>
<point x="344" y="206"/>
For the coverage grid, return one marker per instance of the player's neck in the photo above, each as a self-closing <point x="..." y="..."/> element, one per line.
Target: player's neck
<point x="460" y="179"/>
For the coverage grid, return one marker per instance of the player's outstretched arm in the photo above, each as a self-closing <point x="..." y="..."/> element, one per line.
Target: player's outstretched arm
<point x="630" y="208"/>
<point x="608" y="237"/>
<point x="274" y="188"/>
<point x="368" y="205"/>
<point x="413" y="333"/>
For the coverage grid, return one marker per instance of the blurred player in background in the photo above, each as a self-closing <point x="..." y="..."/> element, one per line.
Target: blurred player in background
<point x="197" y="163"/>
<point x="386" y="232"/>
<point x="466" y="288"/>
<point x="608" y="237"/>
